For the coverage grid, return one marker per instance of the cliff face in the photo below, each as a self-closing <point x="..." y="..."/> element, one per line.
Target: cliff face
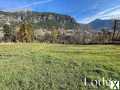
<point x="39" y="20"/>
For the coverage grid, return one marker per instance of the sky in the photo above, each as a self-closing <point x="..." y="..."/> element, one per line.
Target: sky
<point x="84" y="11"/>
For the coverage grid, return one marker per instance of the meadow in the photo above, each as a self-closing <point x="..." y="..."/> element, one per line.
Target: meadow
<point x="56" y="66"/>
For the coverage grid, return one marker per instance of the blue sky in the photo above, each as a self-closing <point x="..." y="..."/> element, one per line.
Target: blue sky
<point x="83" y="11"/>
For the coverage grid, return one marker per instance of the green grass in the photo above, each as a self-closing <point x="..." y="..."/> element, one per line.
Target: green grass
<point x="56" y="67"/>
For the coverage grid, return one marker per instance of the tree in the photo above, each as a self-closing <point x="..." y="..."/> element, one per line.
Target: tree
<point x="7" y="30"/>
<point x="55" y="35"/>
<point x="25" y="33"/>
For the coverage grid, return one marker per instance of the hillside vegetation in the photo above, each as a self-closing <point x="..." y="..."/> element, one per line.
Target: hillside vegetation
<point x="39" y="19"/>
<point x="55" y="66"/>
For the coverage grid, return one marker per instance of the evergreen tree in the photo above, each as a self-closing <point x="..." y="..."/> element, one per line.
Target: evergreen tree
<point x="7" y="30"/>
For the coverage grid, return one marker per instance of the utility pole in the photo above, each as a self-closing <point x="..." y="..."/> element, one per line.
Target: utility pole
<point x="116" y="30"/>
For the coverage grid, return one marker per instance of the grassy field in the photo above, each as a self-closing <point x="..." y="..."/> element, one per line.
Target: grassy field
<point x="55" y="66"/>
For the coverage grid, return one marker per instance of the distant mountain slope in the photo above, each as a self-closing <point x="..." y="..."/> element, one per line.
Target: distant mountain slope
<point x="99" y="24"/>
<point x="40" y="19"/>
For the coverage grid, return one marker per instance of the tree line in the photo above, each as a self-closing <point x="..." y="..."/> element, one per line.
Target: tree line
<point x="25" y="33"/>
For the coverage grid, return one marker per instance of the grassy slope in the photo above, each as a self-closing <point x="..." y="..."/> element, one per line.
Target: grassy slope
<point x="56" y="67"/>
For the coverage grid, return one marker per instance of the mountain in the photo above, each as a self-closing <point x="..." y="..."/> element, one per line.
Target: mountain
<point x="100" y="24"/>
<point x="39" y="19"/>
